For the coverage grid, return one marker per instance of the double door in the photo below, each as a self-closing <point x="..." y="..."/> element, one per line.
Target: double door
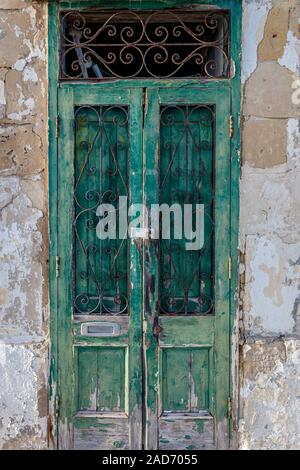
<point x="143" y="312"/>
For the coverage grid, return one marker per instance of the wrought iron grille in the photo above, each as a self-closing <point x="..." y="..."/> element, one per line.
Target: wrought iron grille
<point x="151" y="44"/>
<point x="186" y="176"/>
<point x="101" y="175"/>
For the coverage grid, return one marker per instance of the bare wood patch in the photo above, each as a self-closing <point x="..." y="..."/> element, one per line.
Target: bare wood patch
<point x="189" y="434"/>
<point x="101" y="434"/>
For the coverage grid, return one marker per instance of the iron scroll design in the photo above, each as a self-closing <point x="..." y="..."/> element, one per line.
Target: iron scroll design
<point x="100" y="267"/>
<point x="150" y="44"/>
<point x="186" y="176"/>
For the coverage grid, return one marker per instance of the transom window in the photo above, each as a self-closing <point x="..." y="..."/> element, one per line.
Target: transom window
<point x="148" y="44"/>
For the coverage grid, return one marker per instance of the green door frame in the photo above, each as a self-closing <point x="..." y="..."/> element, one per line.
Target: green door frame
<point x="235" y="6"/>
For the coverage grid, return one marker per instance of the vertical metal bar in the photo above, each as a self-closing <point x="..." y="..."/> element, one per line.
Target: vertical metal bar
<point x="101" y="201"/>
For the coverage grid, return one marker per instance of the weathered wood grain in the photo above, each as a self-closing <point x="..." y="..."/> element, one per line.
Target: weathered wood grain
<point x="186" y="434"/>
<point x="101" y="434"/>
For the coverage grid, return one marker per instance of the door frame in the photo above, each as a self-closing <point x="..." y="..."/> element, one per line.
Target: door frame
<point x="53" y="124"/>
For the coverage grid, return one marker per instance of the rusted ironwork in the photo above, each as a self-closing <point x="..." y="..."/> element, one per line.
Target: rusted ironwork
<point x="101" y="176"/>
<point x="186" y="176"/>
<point x="151" y="44"/>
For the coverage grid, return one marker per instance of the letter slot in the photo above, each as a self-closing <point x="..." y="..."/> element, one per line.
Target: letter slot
<point x="100" y="329"/>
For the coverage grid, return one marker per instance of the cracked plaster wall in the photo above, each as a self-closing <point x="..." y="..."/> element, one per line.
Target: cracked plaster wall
<point x="269" y="325"/>
<point x="269" y="227"/>
<point x="23" y="225"/>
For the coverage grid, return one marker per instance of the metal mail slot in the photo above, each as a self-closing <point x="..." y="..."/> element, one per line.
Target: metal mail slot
<point x="100" y="329"/>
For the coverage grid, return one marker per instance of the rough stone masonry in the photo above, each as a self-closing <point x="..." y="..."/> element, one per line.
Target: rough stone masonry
<point x="24" y="313"/>
<point x="267" y="338"/>
<point x="269" y="362"/>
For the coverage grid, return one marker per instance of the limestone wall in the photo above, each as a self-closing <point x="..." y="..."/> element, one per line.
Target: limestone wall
<point x="23" y="225"/>
<point x="270" y="227"/>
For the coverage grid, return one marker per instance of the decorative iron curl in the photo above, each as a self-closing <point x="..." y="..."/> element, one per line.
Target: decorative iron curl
<point x="129" y="44"/>
<point x="100" y="274"/>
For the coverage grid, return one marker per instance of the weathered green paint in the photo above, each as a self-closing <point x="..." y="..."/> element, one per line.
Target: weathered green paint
<point x="184" y="376"/>
<point x="100" y="371"/>
<point x="64" y="321"/>
<point x="151" y="279"/>
<point x="187" y="140"/>
<point x="183" y="331"/>
<point x="64" y="353"/>
<point x="100" y="383"/>
<point x="52" y="166"/>
<point x="193" y="330"/>
<point x="236" y="33"/>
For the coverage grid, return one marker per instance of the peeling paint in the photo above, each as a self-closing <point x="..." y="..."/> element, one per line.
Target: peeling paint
<point x="290" y="58"/>
<point x="19" y="65"/>
<point x="2" y="93"/>
<point x="293" y="143"/>
<point x="272" y="285"/>
<point x="23" y="207"/>
<point x="21" y="272"/>
<point x="274" y="207"/>
<point x="269" y="315"/>
<point x="270" y="396"/>
<point x="19" y="370"/>
<point x="254" y="19"/>
<point x="29" y="74"/>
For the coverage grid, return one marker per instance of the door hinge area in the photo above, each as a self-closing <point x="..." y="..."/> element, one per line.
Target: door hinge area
<point x="229" y="267"/>
<point x="229" y="408"/>
<point x="231" y="126"/>
<point x="57" y="126"/>
<point x="57" y="260"/>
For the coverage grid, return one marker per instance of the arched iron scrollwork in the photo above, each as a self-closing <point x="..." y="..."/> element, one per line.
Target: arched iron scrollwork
<point x="155" y="44"/>
<point x="186" y="168"/>
<point x="101" y="176"/>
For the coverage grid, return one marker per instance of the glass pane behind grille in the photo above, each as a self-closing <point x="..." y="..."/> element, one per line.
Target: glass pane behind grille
<point x="186" y="177"/>
<point x="149" y="44"/>
<point x="101" y="176"/>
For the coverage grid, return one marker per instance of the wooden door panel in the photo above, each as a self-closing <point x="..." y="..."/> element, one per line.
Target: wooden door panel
<point x="189" y="330"/>
<point x="174" y="325"/>
<point x="184" y="380"/>
<point x="190" y="433"/>
<point x="187" y="160"/>
<point x="101" y="433"/>
<point x="100" y="297"/>
<point x="101" y="379"/>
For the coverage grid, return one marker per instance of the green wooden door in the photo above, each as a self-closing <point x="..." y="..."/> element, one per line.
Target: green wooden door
<point x="187" y="161"/>
<point x="100" y="283"/>
<point x="143" y="323"/>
